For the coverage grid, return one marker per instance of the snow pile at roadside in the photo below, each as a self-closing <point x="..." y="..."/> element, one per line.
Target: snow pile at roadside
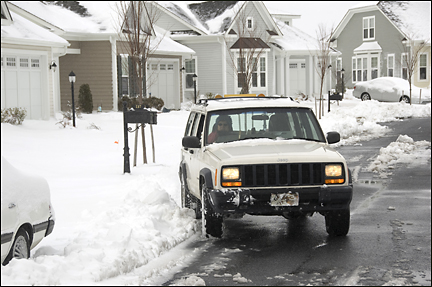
<point x="403" y="150"/>
<point x="360" y="122"/>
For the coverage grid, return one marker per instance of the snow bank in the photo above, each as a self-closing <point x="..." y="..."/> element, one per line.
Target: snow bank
<point x="403" y="150"/>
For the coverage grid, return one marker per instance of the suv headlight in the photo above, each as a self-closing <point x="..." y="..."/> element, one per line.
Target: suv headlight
<point x="231" y="176"/>
<point x="334" y="174"/>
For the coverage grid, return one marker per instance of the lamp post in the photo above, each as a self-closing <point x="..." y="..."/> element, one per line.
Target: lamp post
<point x="72" y="79"/>
<point x="194" y="77"/>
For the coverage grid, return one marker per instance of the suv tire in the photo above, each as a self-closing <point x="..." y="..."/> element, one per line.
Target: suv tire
<point x="188" y="200"/>
<point x="211" y="221"/>
<point x="337" y="222"/>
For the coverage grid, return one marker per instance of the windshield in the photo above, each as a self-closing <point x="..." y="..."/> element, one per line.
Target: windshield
<point x="270" y="123"/>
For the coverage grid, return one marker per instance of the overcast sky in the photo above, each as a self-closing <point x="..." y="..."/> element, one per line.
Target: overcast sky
<point x="313" y="13"/>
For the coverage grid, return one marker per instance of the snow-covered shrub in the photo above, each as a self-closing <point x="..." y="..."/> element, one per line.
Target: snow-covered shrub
<point x="14" y="116"/>
<point x="153" y="102"/>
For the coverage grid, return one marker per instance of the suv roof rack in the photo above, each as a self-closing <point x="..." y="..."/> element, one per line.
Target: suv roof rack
<point x="238" y="96"/>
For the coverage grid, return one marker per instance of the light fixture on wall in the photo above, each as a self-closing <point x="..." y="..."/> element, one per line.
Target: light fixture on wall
<point x="182" y="69"/>
<point x="53" y="66"/>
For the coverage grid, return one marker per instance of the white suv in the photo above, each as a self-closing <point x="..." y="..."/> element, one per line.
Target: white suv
<point x="262" y="156"/>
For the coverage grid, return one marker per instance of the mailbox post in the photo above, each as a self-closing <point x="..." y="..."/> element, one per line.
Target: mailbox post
<point x="137" y="116"/>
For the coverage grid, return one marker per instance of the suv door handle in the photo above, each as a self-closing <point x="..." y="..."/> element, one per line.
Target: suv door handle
<point x="11" y="205"/>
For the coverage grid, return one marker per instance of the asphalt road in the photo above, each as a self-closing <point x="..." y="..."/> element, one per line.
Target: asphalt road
<point x="389" y="241"/>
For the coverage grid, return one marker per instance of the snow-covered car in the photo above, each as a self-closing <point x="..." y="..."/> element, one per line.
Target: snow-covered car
<point x="389" y="89"/>
<point x="262" y="156"/>
<point x="27" y="215"/>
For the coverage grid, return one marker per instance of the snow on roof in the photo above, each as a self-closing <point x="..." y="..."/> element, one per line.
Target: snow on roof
<point x="165" y="45"/>
<point x="211" y="17"/>
<point x="22" y="29"/>
<point x="368" y="47"/>
<point x="294" y="39"/>
<point x="411" y="17"/>
<point x="63" y="18"/>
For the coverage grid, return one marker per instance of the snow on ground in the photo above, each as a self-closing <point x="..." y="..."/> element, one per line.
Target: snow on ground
<point x="119" y="229"/>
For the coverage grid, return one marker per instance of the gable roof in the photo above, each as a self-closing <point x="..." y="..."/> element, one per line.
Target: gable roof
<point x="214" y="17"/>
<point x="410" y="18"/>
<point x="24" y="32"/>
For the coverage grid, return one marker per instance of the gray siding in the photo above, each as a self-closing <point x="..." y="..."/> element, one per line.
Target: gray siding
<point x="98" y="74"/>
<point x="387" y="36"/>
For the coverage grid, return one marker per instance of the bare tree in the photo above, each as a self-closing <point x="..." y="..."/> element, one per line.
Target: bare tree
<point x="245" y="53"/>
<point x="138" y="39"/>
<point x="411" y="57"/>
<point x="323" y="54"/>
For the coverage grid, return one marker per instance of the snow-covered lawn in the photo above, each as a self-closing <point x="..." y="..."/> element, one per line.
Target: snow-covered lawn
<point x="115" y="228"/>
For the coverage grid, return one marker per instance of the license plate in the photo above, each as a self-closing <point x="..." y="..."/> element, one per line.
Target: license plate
<point x="284" y="199"/>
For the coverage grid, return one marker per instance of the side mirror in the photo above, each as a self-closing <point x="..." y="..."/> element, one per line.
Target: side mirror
<point x="191" y="142"/>
<point x="333" y="137"/>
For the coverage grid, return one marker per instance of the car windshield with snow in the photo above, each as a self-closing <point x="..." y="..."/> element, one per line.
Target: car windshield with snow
<point x="262" y="156"/>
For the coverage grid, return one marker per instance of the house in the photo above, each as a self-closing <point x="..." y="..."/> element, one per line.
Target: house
<point x="92" y="54"/>
<point x="376" y="39"/>
<point x="215" y="30"/>
<point x="209" y="40"/>
<point x="29" y="54"/>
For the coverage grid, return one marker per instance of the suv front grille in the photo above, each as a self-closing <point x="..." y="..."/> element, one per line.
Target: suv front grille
<point x="289" y="174"/>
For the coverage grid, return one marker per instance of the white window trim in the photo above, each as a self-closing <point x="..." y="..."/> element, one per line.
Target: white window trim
<point x="393" y="66"/>
<point x="427" y="68"/>
<point x="369" y="57"/>
<point x="363" y="28"/>
<point x="252" y="23"/>
<point x="257" y="89"/>
<point x="402" y="64"/>
<point x="196" y="73"/>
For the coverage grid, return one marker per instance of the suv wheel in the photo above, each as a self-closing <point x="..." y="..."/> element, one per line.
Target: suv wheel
<point x="211" y="221"/>
<point x="188" y="200"/>
<point x="337" y="222"/>
<point x="405" y="99"/>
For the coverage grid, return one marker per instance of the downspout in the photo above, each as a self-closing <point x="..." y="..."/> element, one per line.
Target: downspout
<point x="114" y="72"/>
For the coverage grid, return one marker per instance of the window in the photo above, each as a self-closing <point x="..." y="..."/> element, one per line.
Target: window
<point x="369" y="28"/>
<point x="374" y="67"/>
<point x="258" y="72"/>
<point x="24" y="62"/>
<point x="249" y="23"/>
<point x="423" y="67"/>
<point x="354" y="70"/>
<point x="404" y="66"/>
<point x="35" y="63"/>
<point x="190" y="71"/>
<point x="10" y="62"/>
<point x="365" y="67"/>
<point x="125" y="74"/>
<point x="390" y="65"/>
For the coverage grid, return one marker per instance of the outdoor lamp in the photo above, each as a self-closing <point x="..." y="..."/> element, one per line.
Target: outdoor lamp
<point x="72" y="79"/>
<point x="53" y="66"/>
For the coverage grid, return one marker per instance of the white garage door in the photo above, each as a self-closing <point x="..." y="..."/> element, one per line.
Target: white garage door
<point x="297" y="76"/>
<point x="21" y="84"/>
<point x="161" y="83"/>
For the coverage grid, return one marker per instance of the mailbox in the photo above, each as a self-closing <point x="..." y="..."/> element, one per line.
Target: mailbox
<point x="137" y="115"/>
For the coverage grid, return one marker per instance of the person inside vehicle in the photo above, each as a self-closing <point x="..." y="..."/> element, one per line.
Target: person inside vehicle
<point x="222" y="126"/>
